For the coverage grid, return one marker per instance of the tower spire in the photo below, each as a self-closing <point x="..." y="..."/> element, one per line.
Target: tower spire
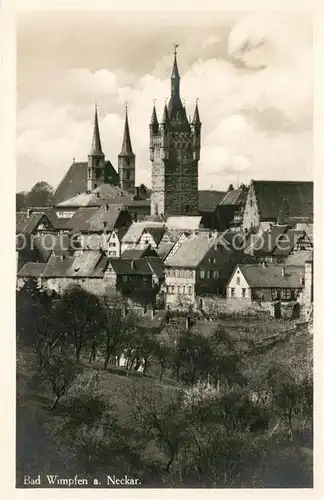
<point x="165" y="118"/>
<point x="126" y="149"/>
<point x="196" y="117"/>
<point x="154" y="120"/>
<point x="96" y="142"/>
<point x="175" y="75"/>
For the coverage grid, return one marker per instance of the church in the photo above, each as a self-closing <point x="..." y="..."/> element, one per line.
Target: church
<point x="174" y="154"/>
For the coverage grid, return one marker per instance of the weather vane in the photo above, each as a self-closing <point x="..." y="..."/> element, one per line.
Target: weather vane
<point x="175" y="45"/>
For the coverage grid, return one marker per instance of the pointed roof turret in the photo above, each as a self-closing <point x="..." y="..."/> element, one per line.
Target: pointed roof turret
<point x="165" y="118"/>
<point x="196" y="117"/>
<point x="175" y="75"/>
<point x="96" y="142"/>
<point x="154" y="120"/>
<point x="126" y="149"/>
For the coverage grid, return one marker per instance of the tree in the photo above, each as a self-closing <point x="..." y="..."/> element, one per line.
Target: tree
<point x="81" y="315"/>
<point x="58" y="370"/>
<point x="158" y="418"/>
<point x="21" y="201"/>
<point x="118" y="328"/>
<point x="40" y="195"/>
<point x="193" y="357"/>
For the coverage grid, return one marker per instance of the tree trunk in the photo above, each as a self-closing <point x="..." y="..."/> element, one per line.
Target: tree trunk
<point x="107" y="358"/>
<point x="54" y="402"/>
<point x="161" y="372"/>
<point x="77" y="353"/>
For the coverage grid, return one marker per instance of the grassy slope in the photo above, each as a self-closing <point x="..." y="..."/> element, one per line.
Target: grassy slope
<point x="37" y="454"/>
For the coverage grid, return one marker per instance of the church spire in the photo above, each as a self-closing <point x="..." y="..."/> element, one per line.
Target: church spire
<point x="165" y="118"/>
<point x="175" y="76"/>
<point x="154" y="121"/>
<point x="126" y="149"/>
<point x="196" y="117"/>
<point x="96" y="142"/>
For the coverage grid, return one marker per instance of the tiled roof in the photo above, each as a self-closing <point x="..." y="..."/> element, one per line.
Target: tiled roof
<point x="156" y="233"/>
<point x="234" y="197"/>
<point x="135" y="231"/>
<point x="57" y="266"/>
<point x="156" y="265"/>
<point x="208" y="200"/>
<point x="79" y="221"/>
<point x="31" y="270"/>
<point x="273" y="195"/>
<point x="136" y="253"/>
<point x="84" y="264"/>
<point x="129" y="266"/>
<point x="192" y="250"/>
<point x="27" y="222"/>
<point x="75" y="181"/>
<point x="163" y="249"/>
<point x="105" y="193"/>
<point x="266" y="242"/>
<point x="100" y="267"/>
<point x="146" y="266"/>
<point x="299" y="258"/>
<point x="259" y="276"/>
<point x="183" y="222"/>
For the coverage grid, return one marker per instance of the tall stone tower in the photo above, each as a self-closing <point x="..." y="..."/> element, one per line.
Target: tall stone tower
<point x="174" y="153"/>
<point x="126" y="161"/>
<point x="96" y="159"/>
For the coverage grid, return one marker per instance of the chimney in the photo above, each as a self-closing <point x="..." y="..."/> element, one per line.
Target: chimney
<point x="104" y="224"/>
<point x="133" y="264"/>
<point x="283" y="271"/>
<point x="29" y="212"/>
<point x="106" y="207"/>
<point x="136" y="190"/>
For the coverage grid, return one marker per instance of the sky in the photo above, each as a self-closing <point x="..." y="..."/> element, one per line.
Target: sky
<point x="251" y="71"/>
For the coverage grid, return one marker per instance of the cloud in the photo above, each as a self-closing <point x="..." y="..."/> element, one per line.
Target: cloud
<point x="257" y="118"/>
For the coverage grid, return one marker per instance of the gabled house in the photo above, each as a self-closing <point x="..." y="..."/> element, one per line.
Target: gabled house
<point x="265" y="283"/>
<point x="37" y="221"/>
<point x="199" y="266"/>
<point x="138" y="236"/>
<point x="208" y="203"/>
<point x="279" y="242"/>
<point x="100" y="228"/>
<point x="229" y="212"/>
<point x="271" y="202"/>
<point x="141" y="278"/>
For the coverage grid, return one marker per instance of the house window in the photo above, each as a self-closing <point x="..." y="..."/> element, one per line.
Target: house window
<point x="189" y="290"/>
<point x="112" y="244"/>
<point x="125" y="279"/>
<point x="286" y="294"/>
<point x="146" y="241"/>
<point x="243" y="293"/>
<point x="145" y="279"/>
<point x="208" y="274"/>
<point x="95" y="185"/>
<point x="202" y="274"/>
<point x="216" y="273"/>
<point x="128" y="161"/>
<point x="251" y="202"/>
<point x="184" y="289"/>
<point x="113" y="254"/>
<point x="274" y="294"/>
<point x="127" y="175"/>
<point x="179" y="290"/>
<point x="172" y="289"/>
<point x="98" y="173"/>
<point x="232" y="292"/>
<point x="186" y="208"/>
<point x="238" y="280"/>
